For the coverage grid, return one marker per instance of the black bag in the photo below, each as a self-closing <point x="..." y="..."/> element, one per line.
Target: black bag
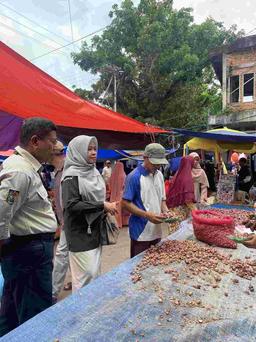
<point x="109" y="230"/>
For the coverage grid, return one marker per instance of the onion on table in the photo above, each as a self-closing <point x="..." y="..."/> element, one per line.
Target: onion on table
<point x="241" y="217"/>
<point x="179" y="214"/>
<point x="191" y="284"/>
<point x="197" y="259"/>
<point x="238" y="215"/>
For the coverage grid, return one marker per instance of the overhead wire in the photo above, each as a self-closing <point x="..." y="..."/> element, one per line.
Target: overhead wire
<point x="64" y="46"/>
<point x="70" y="20"/>
<point x="30" y="37"/>
<point x="32" y="21"/>
<point x="59" y="36"/>
<point x="75" y="79"/>
<point x="31" y="29"/>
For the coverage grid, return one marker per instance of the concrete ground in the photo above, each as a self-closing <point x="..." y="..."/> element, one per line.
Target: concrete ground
<point x="113" y="255"/>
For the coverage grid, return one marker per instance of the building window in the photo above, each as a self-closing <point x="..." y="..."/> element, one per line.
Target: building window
<point x="234" y="89"/>
<point x="248" y="86"/>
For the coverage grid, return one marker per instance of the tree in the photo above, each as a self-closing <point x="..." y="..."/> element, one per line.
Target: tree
<point x="166" y="74"/>
<point x="83" y="93"/>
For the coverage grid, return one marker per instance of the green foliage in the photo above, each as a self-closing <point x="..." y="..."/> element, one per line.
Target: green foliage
<point x="83" y="93"/>
<point x="164" y="57"/>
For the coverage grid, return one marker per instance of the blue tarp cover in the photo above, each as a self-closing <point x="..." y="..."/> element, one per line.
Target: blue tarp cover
<point x="220" y="135"/>
<point x="109" y="154"/>
<point x="112" y="308"/>
<point x="104" y="154"/>
<point x="231" y="206"/>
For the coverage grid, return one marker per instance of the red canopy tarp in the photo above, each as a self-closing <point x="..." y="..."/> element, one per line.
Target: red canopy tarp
<point x="27" y="91"/>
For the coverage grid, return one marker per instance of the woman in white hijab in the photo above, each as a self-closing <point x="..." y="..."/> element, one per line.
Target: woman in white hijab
<point x="83" y="194"/>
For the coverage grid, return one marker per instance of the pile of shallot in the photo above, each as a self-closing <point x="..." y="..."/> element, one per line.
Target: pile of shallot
<point x="197" y="259"/>
<point x="238" y="215"/>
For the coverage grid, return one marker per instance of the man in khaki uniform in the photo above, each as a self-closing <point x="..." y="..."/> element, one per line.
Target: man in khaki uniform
<point x="27" y="226"/>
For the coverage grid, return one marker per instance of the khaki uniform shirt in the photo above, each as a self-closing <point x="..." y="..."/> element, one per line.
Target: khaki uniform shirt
<point x="24" y="205"/>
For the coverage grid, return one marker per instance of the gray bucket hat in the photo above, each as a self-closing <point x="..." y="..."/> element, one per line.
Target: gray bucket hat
<point x="156" y="154"/>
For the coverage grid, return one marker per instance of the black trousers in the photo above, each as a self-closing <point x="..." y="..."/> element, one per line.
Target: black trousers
<point x="138" y="247"/>
<point x="27" y="264"/>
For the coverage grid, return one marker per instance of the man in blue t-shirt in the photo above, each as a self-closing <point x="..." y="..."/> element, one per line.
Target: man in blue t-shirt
<point x="144" y="197"/>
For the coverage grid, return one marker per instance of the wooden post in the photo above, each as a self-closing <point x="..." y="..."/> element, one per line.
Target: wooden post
<point x="241" y="88"/>
<point x="228" y="91"/>
<point x="224" y="81"/>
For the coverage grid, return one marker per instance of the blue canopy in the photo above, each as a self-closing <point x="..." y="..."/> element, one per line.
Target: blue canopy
<point x="110" y="154"/>
<point x="222" y="134"/>
<point x="119" y="154"/>
<point x="104" y="154"/>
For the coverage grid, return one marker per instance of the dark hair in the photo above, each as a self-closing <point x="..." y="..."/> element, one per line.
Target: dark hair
<point x="35" y="126"/>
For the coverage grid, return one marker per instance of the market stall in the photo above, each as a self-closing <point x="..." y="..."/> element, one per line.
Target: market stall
<point x="26" y="91"/>
<point x="180" y="291"/>
<point x="219" y="140"/>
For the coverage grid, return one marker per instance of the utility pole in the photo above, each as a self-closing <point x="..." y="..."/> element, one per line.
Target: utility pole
<point x="208" y="117"/>
<point x="224" y="81"/>
<point x="114" y="70"/>
<point x="115" y="101"/>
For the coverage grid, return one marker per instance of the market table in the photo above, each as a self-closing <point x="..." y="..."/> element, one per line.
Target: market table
<point x="112" y="308"/>
<point x="231" y="206"/>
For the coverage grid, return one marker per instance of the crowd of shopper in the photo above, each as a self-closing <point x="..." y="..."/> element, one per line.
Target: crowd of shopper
<point x="43" y="189"/>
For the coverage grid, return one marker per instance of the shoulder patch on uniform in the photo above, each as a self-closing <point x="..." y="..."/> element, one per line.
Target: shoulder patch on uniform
<point x="12" y="196"/>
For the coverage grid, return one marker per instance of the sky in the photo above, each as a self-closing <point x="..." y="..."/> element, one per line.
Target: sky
<point x="35" y="27"/>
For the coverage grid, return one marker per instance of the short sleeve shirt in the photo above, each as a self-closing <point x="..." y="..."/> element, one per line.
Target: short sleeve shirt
<point x="147" y="192"/>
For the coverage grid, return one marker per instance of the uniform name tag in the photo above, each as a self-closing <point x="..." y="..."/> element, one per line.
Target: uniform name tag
<point x="12" y="196"/>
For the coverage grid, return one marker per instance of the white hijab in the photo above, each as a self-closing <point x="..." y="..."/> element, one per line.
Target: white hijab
<point x="91" y="184"/>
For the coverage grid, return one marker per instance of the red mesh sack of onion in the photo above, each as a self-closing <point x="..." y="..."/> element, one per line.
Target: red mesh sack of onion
<point x="213" y="229"/>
